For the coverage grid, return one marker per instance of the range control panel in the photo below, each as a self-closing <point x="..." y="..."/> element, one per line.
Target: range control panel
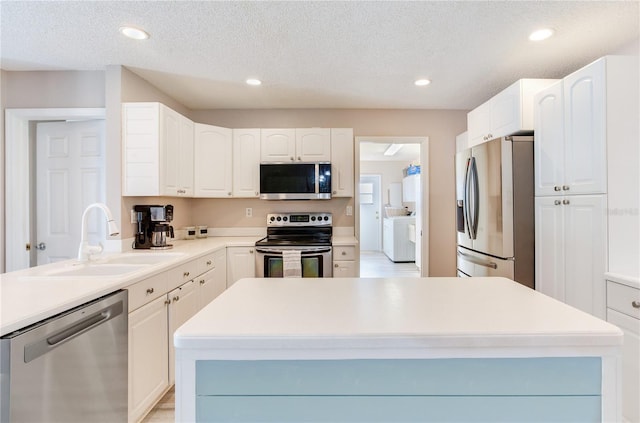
<point x="299" y="219"/>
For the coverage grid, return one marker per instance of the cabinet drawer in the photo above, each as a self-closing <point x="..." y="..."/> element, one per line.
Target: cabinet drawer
<point x="182" y="273"/>
<point x="623" y="298"/>
<point x="208" y="262"/>
<point x="147" y="290"/>
<point x="344" y="253"/>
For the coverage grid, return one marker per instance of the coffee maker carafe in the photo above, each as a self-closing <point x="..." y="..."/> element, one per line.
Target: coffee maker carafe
<point x="153" y="229"/>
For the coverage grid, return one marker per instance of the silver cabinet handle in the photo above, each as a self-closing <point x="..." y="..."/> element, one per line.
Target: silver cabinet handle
<point x="565" y="187"/>
<point x="635" y="304"/>
<point x="250" y="251"/>
<point x="208" y="262"/>
<point x="292" y="159"/>
<point x="229" y="194"/>
<point x="167" y="302"/>
<point x="557" y="202"/>
<point x="299" y="158"/>
<point x="336" y="265"/>
<point x="176" y="298"/>
<point x="202" y="281"/>
<point x="565" y="202"/>
<point x="344" y="253"/>
<point x="335" y="192"/>
<point x="149" y="291"/>
<point x="185" y="274"/>
<point x="557" y="188"/>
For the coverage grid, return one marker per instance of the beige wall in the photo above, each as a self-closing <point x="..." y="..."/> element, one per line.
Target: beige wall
<point x="441" y="126"/>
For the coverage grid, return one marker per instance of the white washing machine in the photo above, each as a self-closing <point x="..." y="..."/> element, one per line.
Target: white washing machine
<point x="396" y="238"/>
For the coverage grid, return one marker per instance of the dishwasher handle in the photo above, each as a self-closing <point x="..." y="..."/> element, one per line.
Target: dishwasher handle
<point x="48" y="343"/>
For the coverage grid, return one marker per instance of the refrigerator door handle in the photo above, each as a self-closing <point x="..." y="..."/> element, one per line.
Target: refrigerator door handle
<point x="476" y="196"/>
<point x="478" y="261"/>
<point x="467" y="216"/>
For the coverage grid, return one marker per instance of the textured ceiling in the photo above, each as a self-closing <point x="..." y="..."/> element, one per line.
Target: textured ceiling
<point x="318" y="54"/>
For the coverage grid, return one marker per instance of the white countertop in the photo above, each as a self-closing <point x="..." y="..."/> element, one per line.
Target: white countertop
<point x="393" y="313"/>
<point x="27" y="297"/>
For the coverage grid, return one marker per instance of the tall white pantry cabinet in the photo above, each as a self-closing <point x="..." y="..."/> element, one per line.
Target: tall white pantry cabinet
<point x="587" y="188"/>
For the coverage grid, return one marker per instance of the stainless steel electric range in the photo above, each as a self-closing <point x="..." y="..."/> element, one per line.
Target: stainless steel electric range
<point x="308" y="233"/>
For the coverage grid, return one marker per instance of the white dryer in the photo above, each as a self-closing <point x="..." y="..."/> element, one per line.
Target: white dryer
<point x="396" y="238"/>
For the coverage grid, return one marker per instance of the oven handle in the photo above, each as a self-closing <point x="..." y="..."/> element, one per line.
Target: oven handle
<point x="305" y="251"/>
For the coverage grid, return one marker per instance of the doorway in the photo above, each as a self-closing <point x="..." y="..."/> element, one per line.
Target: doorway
<point x="19" y="175"/>
<point x="390" y="158"/>
<point x="370" y="213"/>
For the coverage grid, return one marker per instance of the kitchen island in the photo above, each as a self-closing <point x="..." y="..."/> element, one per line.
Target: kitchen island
<point x="413" y="349"/>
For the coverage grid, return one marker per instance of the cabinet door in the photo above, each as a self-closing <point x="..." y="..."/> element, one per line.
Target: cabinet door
<point x="549" y="247"/>
<point x="240" y="264"/>
<point x="213" y="161"/>
<point x="549" y="141"/>
<point x="183" y="305"/>
<point x="313" y="144"/>
<point x="585" y="131"/>
<point x="210" y="285"/>
<point x="344" y="269"/>
<point x="479" y="124"/>
<point x="140" y="149"/>
<point x="342" y="174"/>
<point x="246" y="162"/>
<point x="185" y="155"/>
<point x="506" y="111"/>
<point x="585" y="252"/>
<point x="148" y="357"/>
<point x="630" y="364"/>
<point x="277" y="145"/>
<point x="169" y="151"/>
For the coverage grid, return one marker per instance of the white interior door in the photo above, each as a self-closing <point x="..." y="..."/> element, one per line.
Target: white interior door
<point x="370" y="209"/>
<point x="69" y="176"/>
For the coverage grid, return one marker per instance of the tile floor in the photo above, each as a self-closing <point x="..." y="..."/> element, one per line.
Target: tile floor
<point x="373" y="264"/>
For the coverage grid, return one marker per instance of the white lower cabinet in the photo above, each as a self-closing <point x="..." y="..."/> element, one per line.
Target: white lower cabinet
<point x="623" y="310"/>
<point x="154" y="315"/>
<point x="344" y="261"/>
<point x="148" y="357"/>
<point x="183" y="304"/>
<point x="241" y="263"/>
<point x="570" y="248"/>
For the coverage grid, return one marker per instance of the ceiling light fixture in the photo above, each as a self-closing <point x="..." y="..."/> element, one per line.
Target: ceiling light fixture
<point x="422" y="82"/>
<point x="134" y="33"/>
<point x="392" y="149"/>
<point x="254" y="82"/>
<point x="541" y="34"/>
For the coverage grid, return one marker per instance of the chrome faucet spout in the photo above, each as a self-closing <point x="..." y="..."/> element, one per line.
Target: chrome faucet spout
<point x="85" y="250"/>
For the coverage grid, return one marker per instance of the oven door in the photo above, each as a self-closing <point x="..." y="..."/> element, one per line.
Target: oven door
<point x="316" y="261"/>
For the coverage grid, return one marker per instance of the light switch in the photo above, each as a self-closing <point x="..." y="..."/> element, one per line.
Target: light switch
<point x="248" y="212"/>
<point x="349" y="211"/>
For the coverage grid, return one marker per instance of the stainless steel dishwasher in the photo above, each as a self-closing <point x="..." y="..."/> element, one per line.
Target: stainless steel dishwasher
<point x="71" y="367"/>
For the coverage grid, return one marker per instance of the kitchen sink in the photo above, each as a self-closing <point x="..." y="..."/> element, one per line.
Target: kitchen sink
<point x="142" y="258"/>
<point x="100" y="270"/>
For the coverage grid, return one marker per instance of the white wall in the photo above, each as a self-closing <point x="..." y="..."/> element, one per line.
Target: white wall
<point x="391" y="172"/>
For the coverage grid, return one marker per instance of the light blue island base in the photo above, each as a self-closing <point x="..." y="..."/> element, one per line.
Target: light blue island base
<point x="556" y="389"/>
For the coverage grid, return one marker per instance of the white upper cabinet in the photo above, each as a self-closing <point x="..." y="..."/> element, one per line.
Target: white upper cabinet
<point x="507" y="113"/>
<point x="157" y="151"/>
<point x="295" y="145"/>
<point x="277" y="145"/>
<point x="342" y="173"/>
<point x="213" y="161"/>
<point x="246" y="162"/>
<point x="584" y="130"/>
<point x="313" y="144"/>
<point x="549" y="140"/>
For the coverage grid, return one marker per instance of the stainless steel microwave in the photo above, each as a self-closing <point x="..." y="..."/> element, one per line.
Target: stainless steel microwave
<point x="295" y="181"/>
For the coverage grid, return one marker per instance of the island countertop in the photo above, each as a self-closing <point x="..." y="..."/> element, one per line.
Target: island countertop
<point x="273" y="317"/>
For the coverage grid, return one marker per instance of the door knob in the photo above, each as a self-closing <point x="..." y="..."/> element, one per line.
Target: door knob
<point x="41" y="246"/>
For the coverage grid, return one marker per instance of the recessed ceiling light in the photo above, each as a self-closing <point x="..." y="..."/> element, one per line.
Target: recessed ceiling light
<point x="253" y="81"/>
<point x="134" y="33"/>
<point x="541" y="34"/>
<point x="422" y="82"/>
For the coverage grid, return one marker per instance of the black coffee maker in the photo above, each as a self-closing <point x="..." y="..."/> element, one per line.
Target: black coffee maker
<point x="153" y="227"/>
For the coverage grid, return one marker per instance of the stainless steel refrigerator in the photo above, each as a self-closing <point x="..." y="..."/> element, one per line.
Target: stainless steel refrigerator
<point x="495" y="209"/>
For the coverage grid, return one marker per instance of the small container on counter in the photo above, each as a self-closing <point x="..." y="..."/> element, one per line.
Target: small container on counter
<point x="190" y="232"/>
<point x="201" y="232"/>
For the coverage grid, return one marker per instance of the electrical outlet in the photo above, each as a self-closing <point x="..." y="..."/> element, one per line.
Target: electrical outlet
<point x="349" y="211"/>
<point x="134" y="217"/>
<point x="248" y="212"/>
